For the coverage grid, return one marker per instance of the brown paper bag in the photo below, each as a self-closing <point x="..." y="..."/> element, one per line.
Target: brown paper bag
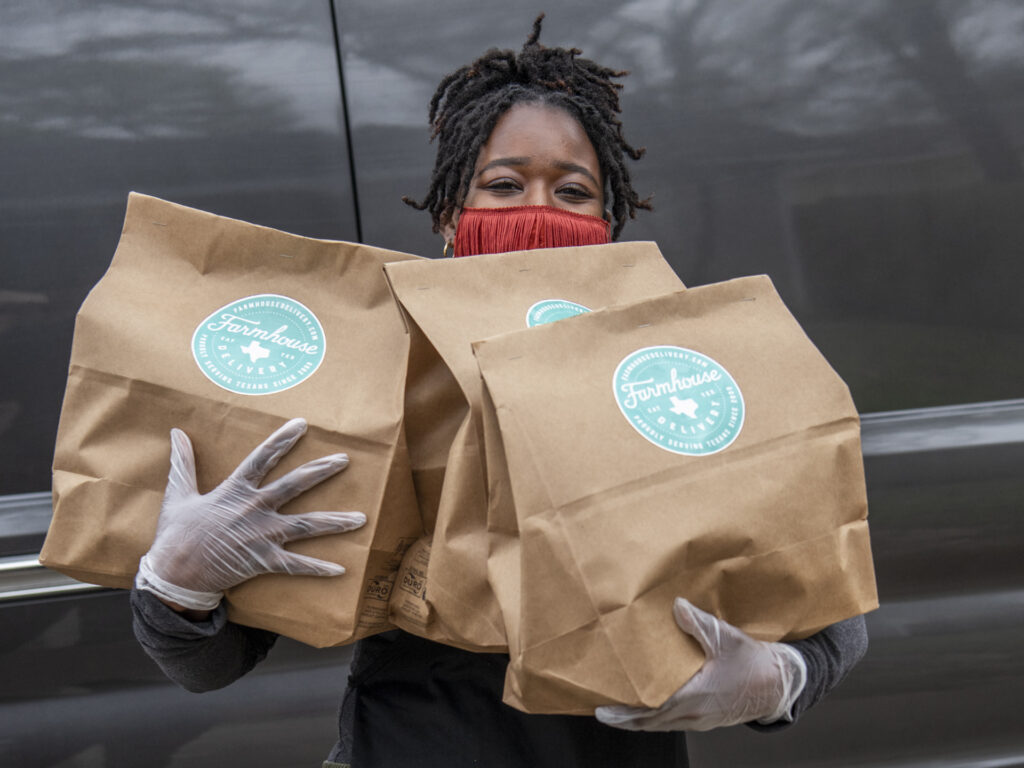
<point x="443" y="591"/>
<point x="694" y="444"/>
<point x="162" y="342"/>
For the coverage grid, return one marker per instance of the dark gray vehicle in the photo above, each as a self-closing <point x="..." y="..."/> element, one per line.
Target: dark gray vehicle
<point x="867" y="156"/>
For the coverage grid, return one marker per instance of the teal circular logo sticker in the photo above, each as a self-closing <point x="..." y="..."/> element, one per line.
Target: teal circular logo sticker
<point x="679" y="399"/>
<point x="259" y="345"/>
<point x="550" y="310"/>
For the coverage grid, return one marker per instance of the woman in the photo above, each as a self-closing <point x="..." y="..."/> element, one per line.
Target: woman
<point x="530" y="154"/>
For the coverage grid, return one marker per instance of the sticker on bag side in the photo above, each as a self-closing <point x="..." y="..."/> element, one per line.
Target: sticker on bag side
<point x="551" y="310"/>
<point x="679" y="399"/>
<point x="259" y="345"/>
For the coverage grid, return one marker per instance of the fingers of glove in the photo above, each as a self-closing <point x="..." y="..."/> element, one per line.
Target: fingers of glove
<point x="295" y="564"/>
<point x="677" y="722"/>
<point x="181" y="481"/>
<point x="310" y="524"/>
<point x="640" y="719"/>
<point x="693" y="713"/>
<point x="302" y="479"/>
<point x="702" y="626"/>
<point x="266" y="456"/>
<point x="686" y="701"/>
<point x="626" y="718"/>
<point x="733" y="688"/>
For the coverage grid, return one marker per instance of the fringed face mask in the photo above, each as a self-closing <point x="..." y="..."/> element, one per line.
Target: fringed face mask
<point x="524" y="227"/>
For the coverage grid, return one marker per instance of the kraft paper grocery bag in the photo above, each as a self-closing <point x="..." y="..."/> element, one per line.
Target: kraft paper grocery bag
<point x="226" y="330"/>
<point x="444" y="591"/>
<point x="694" y="444"/>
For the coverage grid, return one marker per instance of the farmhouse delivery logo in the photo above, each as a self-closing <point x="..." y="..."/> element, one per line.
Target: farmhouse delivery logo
<point x="259" y="345"/>
<point x="679" y="399"/>
<point x="550" y="310"/>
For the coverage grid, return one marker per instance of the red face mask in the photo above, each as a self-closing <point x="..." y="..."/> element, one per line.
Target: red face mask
<point x="524" y="227"/>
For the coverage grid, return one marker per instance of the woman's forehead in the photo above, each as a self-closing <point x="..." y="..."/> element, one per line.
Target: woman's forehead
<point x="540" y="133"/>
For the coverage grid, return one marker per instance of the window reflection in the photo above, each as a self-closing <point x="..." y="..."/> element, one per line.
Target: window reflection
<point x="866" y="155"/>
<point x="233" y="107"/>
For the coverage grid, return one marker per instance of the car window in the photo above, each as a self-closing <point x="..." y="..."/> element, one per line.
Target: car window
<point x="233" y="107"/>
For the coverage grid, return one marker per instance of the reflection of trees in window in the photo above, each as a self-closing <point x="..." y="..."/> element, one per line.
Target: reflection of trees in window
<point x="148" y="68"/>
<point x="753" y="94"/>
<point x="131" y="99"/>
<point x="819" y="68"/>
<point x="919" y="39"/>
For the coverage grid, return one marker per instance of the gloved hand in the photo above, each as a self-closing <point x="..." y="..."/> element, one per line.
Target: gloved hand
<point x="742" y="679"/>
<point x="207" y="543"/>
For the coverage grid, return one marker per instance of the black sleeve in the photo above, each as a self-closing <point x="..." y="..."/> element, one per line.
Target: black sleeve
<point x="197" y="655"/>
<point x="830" y="655"/>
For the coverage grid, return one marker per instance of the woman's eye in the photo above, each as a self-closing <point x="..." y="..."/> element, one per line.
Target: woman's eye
<point x="502" y="185"/>
<point x="575" y="192"/>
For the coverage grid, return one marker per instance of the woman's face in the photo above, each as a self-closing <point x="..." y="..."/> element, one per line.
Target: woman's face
<point x="536" y="155"/>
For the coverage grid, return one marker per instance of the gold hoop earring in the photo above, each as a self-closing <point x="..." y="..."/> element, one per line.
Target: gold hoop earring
<point x="444" y="251"/>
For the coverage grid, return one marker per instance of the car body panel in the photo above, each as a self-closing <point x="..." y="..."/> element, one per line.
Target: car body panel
<point x="867" y="156"/>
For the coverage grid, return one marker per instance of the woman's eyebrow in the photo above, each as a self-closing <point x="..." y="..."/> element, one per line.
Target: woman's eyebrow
<point x="567" y="166"/>
<point x="564" y="165"/>
<point x="505" y="161"/>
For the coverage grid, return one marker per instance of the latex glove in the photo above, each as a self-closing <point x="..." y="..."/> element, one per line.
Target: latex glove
<point x="742" y="679"/>
<point x="207" y="543"/>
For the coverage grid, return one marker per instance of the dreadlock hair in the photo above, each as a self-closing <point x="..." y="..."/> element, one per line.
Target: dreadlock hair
<point x="469" y="101"/>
